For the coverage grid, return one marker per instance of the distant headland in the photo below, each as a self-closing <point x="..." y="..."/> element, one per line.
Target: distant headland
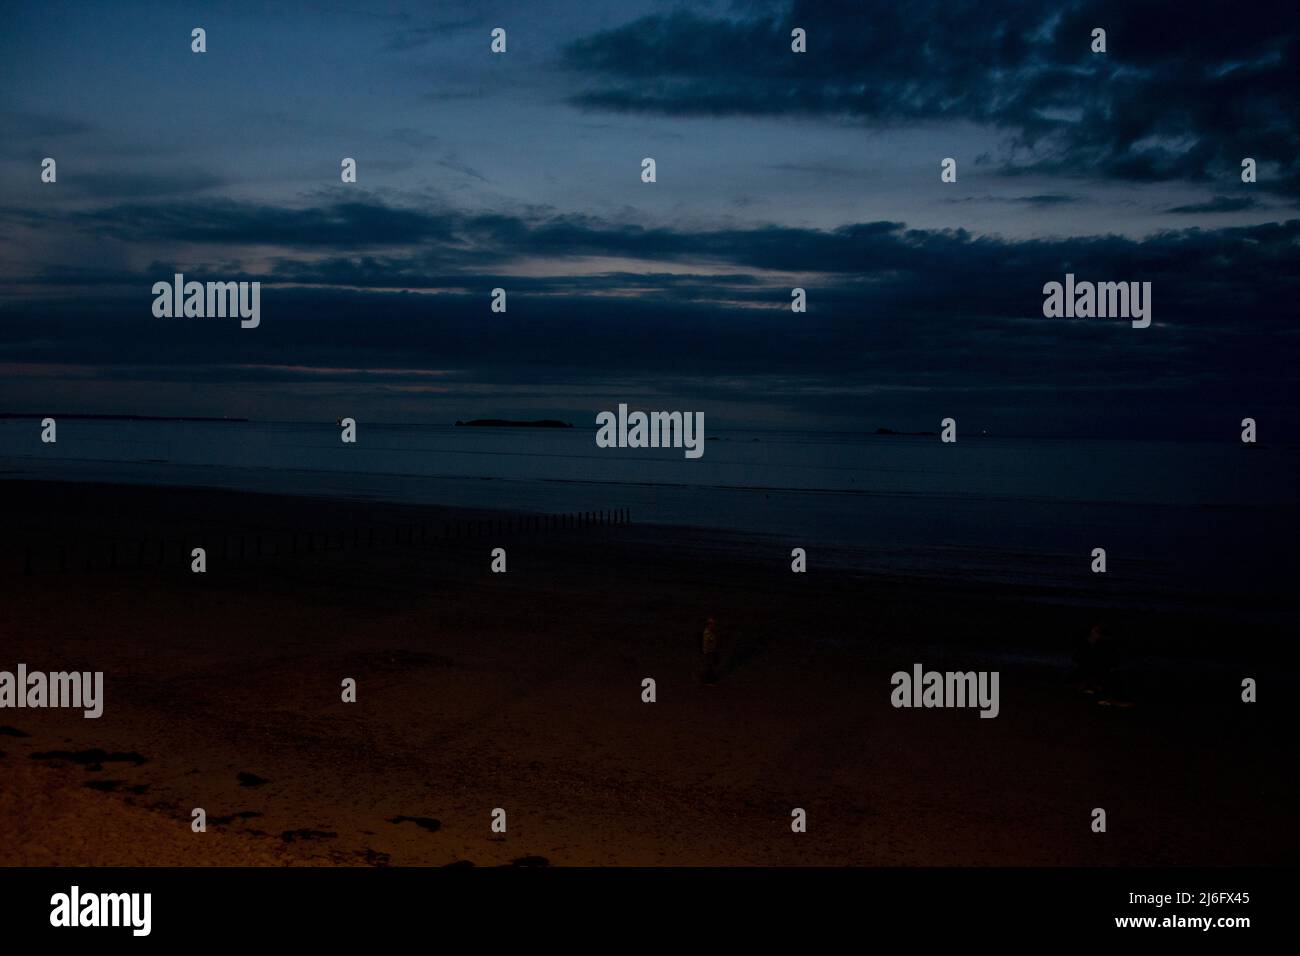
<point x="122" y="418"/>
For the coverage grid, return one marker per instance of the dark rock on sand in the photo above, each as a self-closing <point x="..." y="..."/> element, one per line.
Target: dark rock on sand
<point x="113" y="786"/>
<point x="288" y="836"/>
<point x="92" y="759"/>
<point x="241" y="815"/>
<point x="433" y="826"/>
<point x="251" y="779"/>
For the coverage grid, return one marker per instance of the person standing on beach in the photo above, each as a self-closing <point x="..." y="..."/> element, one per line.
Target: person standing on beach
<point x="709" y="652"/>
<point x="1097" y="661"/>
<point x="1092" y="661"/>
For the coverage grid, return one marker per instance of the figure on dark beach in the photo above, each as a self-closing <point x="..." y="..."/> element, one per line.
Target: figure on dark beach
<point x="709" y="652"/>
<point x="1097" y="661"/>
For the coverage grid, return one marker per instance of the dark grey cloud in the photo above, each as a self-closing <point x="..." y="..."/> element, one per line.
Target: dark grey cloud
<point x="348" y="223"/>
<point x="415" y="37"/>
<point x="1219" y="204"/>
<point x="1042" y="199"/>
<point x="440" y="247"/>
<point x="1184" y="92"/>
<point x="129" y="184"/>
<point x="16" y="125"/>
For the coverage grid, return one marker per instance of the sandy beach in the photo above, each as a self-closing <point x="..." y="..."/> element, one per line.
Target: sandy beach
<point x="523" y="691"/>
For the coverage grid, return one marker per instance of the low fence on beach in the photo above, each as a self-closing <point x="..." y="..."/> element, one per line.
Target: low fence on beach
<point x="94" y="552"/>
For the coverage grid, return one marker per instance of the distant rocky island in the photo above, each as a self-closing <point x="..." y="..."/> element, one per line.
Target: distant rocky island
<point x="890" y="431"/>
<point x="509" y="423"/>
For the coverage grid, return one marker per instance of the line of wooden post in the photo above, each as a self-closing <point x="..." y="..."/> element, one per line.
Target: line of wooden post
<point x="411" y="534"/>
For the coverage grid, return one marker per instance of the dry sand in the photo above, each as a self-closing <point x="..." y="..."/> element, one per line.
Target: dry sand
<point x="523" y="691"/>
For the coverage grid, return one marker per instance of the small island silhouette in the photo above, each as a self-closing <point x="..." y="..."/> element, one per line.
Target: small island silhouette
<point x="509" y="423"/>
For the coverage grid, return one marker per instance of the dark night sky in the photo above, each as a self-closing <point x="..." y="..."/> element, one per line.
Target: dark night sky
<point x="774" y="170"/>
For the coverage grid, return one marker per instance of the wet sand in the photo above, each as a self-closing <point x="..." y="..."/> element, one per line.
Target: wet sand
<point x="523" y="691"/>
